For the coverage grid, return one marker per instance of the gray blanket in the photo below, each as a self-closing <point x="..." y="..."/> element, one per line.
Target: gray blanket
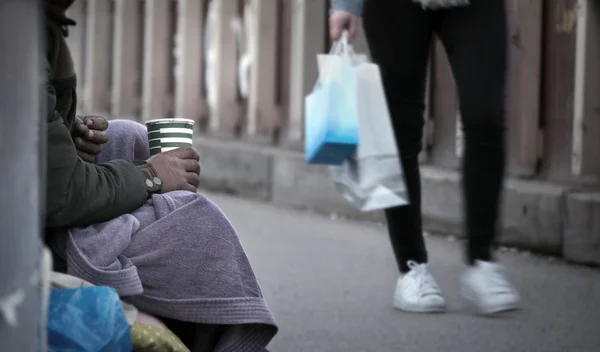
<point x="177" y="257"/>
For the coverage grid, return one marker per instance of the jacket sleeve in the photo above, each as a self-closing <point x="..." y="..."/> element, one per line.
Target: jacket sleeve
<point x="352" y="6"/>
<point x="81" y="193"/>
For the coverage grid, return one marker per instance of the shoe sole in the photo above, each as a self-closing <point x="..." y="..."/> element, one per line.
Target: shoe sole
<point x="415" y="309"/>
<point x="490" y="310"/>
<point x="499" y="309"/>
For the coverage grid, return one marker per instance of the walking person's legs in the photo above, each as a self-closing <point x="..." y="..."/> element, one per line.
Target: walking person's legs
<point x="399" y="36"/>
<point x="475" y="38"/>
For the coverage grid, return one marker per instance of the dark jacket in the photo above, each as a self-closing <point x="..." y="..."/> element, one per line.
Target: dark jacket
<point x="78" y="193"/>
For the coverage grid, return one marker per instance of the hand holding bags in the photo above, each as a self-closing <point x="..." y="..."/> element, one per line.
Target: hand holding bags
<point x="348" y="106"/>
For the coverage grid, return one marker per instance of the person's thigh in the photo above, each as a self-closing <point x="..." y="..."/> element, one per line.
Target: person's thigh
<point x="399" y="36"/>
<point x="475" y="39"/>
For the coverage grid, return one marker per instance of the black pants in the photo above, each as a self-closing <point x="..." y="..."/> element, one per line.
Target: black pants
<point x="399" y="34"/>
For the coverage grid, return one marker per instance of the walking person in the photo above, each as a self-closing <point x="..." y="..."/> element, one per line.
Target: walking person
<point x="474" y="35"/>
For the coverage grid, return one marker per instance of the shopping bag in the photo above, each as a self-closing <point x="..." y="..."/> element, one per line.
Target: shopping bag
<point x="87" y="319"/>
<point x="331" y="115"/>
<point x="372" y="178"/>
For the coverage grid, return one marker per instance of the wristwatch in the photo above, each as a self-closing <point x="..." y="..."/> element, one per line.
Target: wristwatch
<point x="153" y="182"/>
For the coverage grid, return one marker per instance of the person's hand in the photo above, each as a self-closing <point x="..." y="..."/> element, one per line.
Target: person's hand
<point x="340" y="21"/>
<point x="178" y="169"/>
<point x="90" y="136"/>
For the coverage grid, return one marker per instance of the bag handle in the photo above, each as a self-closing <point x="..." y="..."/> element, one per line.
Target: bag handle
<point x="340" y="47"/>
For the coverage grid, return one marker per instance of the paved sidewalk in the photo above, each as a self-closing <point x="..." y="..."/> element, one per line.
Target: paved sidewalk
<point x="329" y="284"/>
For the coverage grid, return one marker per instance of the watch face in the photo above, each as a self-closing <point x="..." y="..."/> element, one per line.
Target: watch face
<point x="153" y="185"/>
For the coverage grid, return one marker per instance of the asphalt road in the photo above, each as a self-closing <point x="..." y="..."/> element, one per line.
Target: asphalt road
<point x="329" y="284"/>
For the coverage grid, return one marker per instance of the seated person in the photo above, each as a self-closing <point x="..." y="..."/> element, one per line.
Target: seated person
<point x="116" y="217"/>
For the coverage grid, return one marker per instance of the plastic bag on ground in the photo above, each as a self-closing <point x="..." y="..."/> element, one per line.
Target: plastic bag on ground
<point x="87" y="319"/>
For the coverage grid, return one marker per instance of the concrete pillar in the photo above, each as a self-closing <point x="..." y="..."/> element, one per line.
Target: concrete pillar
<point x="585" y="160"/>
<point x="127" y="59"/>
<point x="307" y="39"/>
<point x="264" y="118"/>
<point x="222" y="51"/>
<point x="98" y="46"/>
<point x="156" y="99"/>
<point x="20" y="143"/>
<point x="189" y="77"/>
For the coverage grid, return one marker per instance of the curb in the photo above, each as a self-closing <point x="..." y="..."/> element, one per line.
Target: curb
<point x="539" y="216"/>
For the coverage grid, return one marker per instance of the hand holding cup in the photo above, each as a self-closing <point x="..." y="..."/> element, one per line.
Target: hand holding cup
<point x="171" y="154"/>
<point x="178" y="169"/>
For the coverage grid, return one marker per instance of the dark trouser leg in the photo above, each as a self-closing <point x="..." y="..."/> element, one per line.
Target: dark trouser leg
<point x="475" y="40"/>
<point x="399" y="35"/>
<point x="185" y="331"/>
<point x="404" y="223"/>
<point x="196" y="337"/>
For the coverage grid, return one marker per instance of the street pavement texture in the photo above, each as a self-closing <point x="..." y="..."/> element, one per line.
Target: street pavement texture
<point x="329" y="284"/>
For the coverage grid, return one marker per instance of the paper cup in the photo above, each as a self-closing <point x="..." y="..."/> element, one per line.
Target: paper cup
<point x="169" y="134"/>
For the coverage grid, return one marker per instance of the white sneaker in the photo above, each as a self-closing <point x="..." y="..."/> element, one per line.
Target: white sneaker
<point x="486" y="286"/>
<point x="416" y="291"/>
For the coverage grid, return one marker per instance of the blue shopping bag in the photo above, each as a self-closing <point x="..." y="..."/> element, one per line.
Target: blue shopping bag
<point x="331" y="129"/>
<point x="87" y="319"/>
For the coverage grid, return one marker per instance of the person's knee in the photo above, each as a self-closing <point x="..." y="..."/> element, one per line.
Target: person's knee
<point x="486" y="130"/>
<point x="409" y="138"/>
<point x="126" y="129"/>
<point x="126" y="140"/>
<point x="406" y="106"/>
<point x="483" y="109"/>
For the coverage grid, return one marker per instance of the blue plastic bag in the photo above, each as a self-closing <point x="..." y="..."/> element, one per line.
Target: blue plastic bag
<point x="87" y="319"/>
<point x="331" y="110"/>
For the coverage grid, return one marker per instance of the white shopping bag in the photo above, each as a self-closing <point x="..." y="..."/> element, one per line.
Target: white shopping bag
<point x="331" y="114"/>
<point x="372" y="179"/>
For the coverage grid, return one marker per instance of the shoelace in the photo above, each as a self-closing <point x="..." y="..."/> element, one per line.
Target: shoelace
<point x="425" y="281"/>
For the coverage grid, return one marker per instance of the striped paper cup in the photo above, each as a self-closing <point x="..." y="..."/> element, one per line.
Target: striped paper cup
<point x="169" y="134"/>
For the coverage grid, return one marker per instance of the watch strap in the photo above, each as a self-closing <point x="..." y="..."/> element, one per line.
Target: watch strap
<point x="151" y="179"/>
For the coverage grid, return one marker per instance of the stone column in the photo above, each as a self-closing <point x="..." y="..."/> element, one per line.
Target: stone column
<point x="20" y="146"/>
